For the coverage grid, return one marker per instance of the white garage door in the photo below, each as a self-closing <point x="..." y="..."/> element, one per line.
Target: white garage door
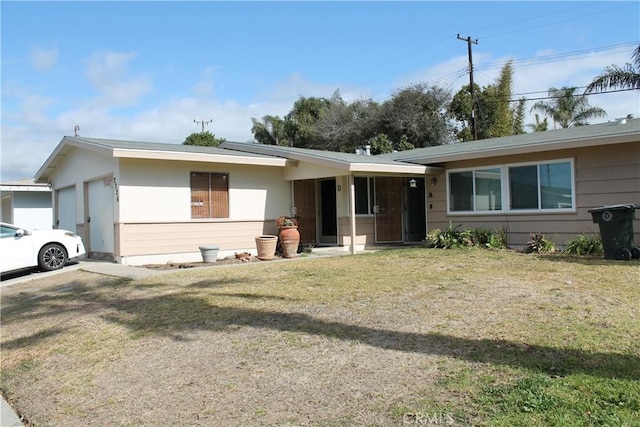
<point x="66" y="209"/>
<point x="101" y="233"/>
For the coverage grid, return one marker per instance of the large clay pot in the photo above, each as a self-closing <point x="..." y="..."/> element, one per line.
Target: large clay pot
<point x="289" y="240"/>
<point x="266" y="246"/>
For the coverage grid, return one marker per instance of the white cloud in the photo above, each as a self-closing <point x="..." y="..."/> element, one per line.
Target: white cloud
<point x="43" y="59"/>
<point x="108" y="73"/>
<point x="534" y="78"/>
<point x="26" y="146"/>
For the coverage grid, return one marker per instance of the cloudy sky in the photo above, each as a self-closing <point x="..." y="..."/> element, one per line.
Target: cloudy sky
<point x="146" y="70"/>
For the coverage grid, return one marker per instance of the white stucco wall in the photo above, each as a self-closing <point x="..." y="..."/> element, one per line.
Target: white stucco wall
<point x="32" y="209"/>
<point x="151" y="190"/>
<point x="78" y="167"/>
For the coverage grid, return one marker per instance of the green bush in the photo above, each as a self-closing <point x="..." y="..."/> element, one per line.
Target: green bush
<point x="454" y="238"/>
<point x="584" y="245"/>
<point x="538" y="243"/>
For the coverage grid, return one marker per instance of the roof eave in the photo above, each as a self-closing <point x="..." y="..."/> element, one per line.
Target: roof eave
<point x="481" y="153"/>
<point x="201" y="157"/>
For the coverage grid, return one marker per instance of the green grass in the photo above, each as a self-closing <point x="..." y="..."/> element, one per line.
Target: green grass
<point x="481" y="337"/>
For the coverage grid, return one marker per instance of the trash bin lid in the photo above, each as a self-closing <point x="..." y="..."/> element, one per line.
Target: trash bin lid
<point x="622" y="207"/>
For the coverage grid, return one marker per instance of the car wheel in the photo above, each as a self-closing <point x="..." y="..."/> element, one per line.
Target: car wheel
<point x="52" y="257"/>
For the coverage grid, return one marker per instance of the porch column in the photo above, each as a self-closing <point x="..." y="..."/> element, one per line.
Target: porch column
<point x="352" y="212"/>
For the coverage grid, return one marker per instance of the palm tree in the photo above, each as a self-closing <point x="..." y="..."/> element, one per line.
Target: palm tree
<point x="568" y="109"/>
<point x="539" y="126"/>
<point x="614" y="77"/>
<point x="270" y="131"/>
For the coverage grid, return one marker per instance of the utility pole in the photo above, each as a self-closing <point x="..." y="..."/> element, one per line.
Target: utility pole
<point x="203" y="123"/>
<point x="473" y="98"/>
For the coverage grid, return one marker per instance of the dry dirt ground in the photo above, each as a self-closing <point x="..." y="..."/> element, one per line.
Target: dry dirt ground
<point x="349" y="341"/>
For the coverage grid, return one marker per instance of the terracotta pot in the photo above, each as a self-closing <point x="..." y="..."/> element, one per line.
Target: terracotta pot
<point x="289" y="240"/>
<point x="266" y="246"/>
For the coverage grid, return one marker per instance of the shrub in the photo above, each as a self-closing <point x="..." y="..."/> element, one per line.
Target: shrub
<point x="454" y="238"/>
<point x="584" y="245"/>
<point x="499" y="239"/>
<point x="538" y="243"/>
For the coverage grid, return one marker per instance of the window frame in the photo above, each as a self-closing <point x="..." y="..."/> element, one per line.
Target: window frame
<point x="210" y="200"/>
<point x="506" y="190"/>
<point x="370" y="195"/>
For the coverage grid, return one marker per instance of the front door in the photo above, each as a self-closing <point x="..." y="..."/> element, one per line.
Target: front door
<point x="388" y="209"/>
<point x="328" y="212"/>
<point x="304" y="197"/>
<point x="416" y="212"/>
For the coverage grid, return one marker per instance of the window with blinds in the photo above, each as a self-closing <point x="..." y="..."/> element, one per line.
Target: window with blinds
<point x="209" y="195"/>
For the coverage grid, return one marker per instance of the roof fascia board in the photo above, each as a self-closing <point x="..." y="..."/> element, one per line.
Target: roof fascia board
<point x="386" y="168"/>
<point x="201" y="157"/>
<point x="481" y="153"/>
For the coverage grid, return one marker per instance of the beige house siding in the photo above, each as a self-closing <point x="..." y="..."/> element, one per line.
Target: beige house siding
<point x="365" y="231"/>
<point x="604" y="175"/>
<point x="150" y="239"/>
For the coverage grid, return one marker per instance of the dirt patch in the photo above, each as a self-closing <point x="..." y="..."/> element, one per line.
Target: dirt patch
<point x="230" y="260"/>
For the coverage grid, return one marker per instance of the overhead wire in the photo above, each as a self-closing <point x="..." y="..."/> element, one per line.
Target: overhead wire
<point x="448" y="79"/>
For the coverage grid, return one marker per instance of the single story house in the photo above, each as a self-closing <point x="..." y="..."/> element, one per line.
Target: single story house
<point x="138" y="203"/>
<point x="26" y="203"/>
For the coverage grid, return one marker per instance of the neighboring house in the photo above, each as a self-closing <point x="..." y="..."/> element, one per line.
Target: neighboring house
<point x="26" y="204"/>
<point x="138" y="203"/>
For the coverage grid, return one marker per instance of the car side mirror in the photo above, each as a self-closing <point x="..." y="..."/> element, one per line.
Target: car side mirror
<point x="20" y="232"/>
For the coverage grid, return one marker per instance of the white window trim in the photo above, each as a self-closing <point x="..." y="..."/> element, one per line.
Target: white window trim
<point x="506" y="194"/>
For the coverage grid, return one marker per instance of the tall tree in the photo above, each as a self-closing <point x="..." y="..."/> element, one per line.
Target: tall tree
<point x="271" y="130"/>
<point x="346" y="126"/>
<point x="567" y="109"/>
<point x="495" y="115"/>
<point x="419" y="113"/>
<point x="203" y="139"/>
<point x="615" y="77"/>
<point x="301" y="119"/>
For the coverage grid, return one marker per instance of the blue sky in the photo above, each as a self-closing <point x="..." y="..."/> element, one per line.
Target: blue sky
<point x="146" y="70"/>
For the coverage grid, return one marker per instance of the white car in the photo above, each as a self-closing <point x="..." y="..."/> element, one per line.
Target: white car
<point x="46" y="249"/>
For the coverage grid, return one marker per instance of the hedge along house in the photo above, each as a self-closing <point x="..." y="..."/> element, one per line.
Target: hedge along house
<point x="539" y="182"/>
<point x="138" y="203"/>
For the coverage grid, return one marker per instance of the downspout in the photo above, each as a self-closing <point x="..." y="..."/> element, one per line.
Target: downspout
<point x="352" y="212"/>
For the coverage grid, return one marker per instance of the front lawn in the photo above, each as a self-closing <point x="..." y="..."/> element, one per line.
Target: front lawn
<point x="399" y="337"/>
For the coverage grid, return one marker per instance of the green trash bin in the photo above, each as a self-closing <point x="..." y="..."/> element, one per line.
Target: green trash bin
<point x="616" y="230"/>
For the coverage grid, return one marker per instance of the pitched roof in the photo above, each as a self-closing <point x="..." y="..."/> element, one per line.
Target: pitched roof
<point x="580" y="136"/>
<point x="344" y="161"/>
<point x="153" y="150"/>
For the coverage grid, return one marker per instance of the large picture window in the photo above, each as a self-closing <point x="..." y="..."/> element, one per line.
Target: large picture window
<point x="209" y="195"/>
<point x="512" y="188"/>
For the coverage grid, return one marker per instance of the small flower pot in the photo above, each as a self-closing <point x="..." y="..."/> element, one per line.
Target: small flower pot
<point x="266" y="246"/>
<point x="209" y="252"/>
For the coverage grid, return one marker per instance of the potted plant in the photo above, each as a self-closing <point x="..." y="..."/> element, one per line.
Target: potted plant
<point x="289" y="236"/>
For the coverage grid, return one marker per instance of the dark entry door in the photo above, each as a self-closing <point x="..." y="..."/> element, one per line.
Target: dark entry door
<point x="388" y="211"/>
<point x="304" y="195"/>
<point x="416" y="213"/>
<point x="328" y="220"/>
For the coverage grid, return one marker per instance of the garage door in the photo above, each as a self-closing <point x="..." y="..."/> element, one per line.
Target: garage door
<point x="66" y="209"/>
